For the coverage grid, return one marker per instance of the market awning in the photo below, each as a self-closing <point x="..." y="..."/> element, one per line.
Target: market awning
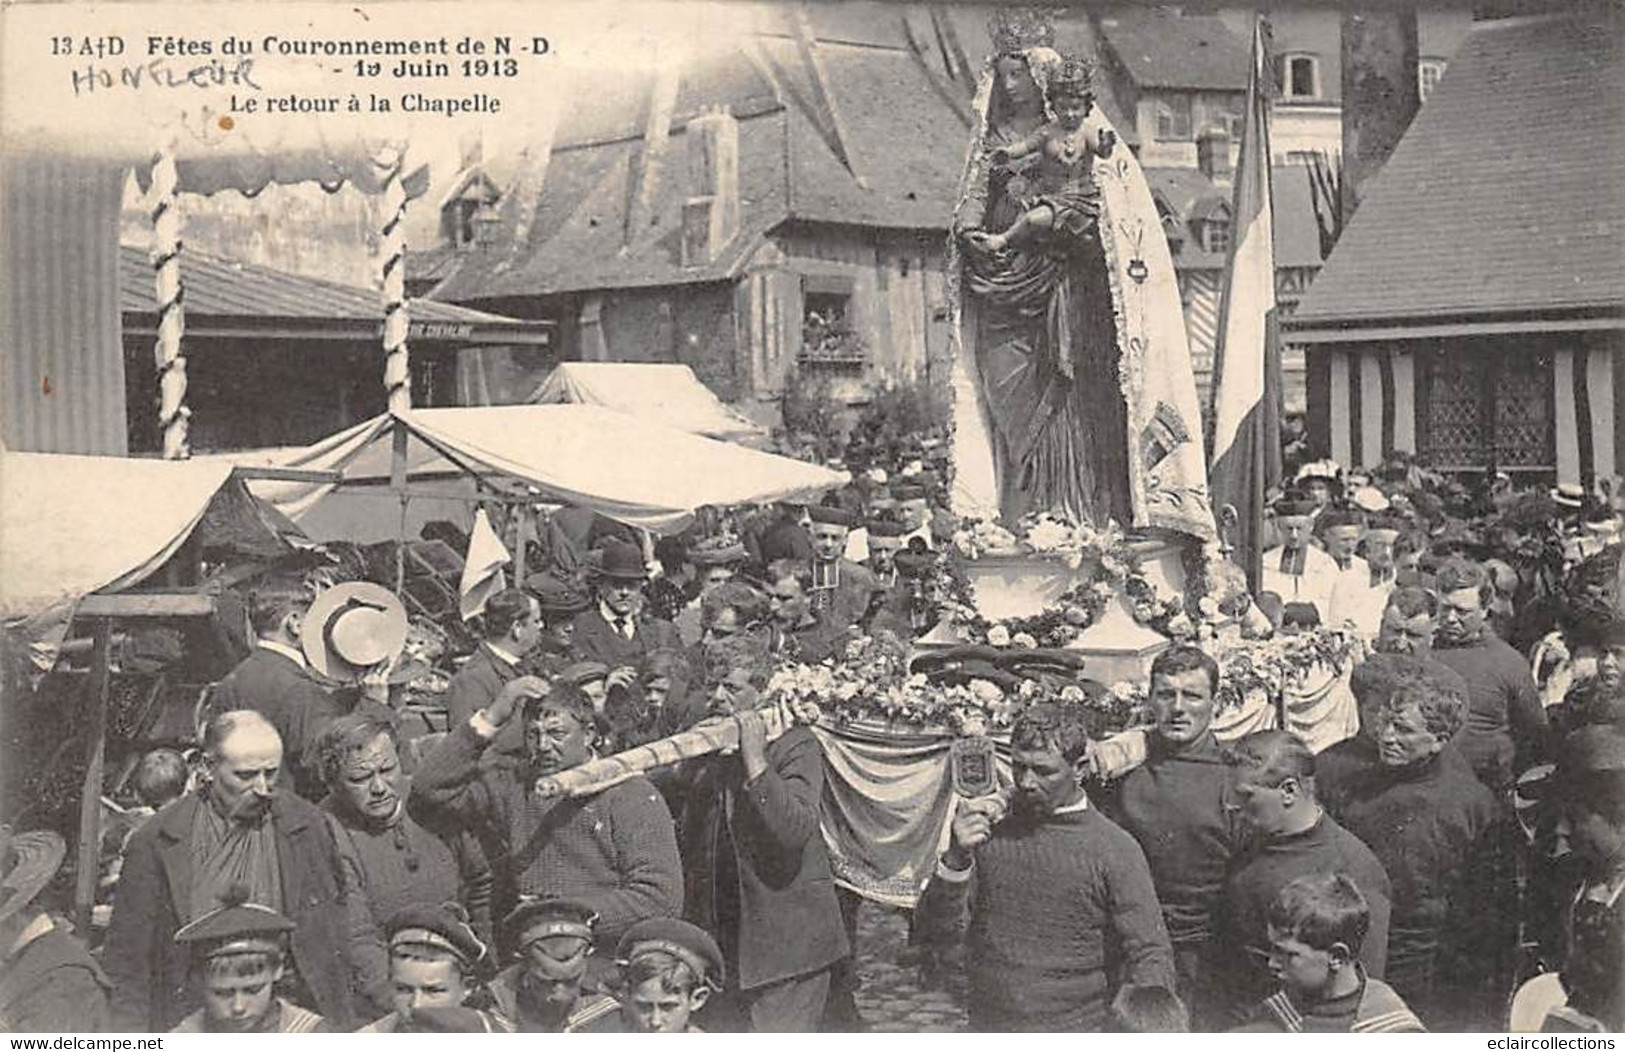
<point x="77" y="525"/>
<point x="665" y="393"/>
<point x="634" y="471"/>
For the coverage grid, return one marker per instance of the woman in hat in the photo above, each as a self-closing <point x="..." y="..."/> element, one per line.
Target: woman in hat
<point x="560" y="602"/>
<point x="47" y="980"/>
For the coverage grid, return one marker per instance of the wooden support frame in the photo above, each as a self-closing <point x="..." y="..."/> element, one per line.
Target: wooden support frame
<point x="103" y="610"/>
<point x="90" y="799"/>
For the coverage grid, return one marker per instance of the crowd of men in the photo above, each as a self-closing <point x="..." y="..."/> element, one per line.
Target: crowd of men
<point x="323" y="873"/>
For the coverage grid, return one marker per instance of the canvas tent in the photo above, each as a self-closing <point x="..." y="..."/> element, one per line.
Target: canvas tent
<point x="643" y="474"/>
<point x="74" y="525"/>
<point x="665" y="393"/>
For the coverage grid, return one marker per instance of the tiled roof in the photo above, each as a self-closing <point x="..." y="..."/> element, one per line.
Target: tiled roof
<point x="1159" y="48"/>
<point x="1193" y="196"/>
<point x="906" y="141"/>
<point x="1297" y="234"/>
<point x="217" y="287"/>
<point x="1505" y="193"/>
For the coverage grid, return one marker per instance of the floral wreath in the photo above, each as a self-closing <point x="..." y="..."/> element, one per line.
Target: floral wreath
<point x="1113" y="565"/>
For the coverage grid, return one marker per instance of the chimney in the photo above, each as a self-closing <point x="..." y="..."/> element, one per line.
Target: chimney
<point x="1213" y="155"/>
<point x="711" y="217"/>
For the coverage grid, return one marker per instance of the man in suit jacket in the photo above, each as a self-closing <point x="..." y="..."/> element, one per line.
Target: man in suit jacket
<point x="616" y="631"/>
<point x="511" y="627"/>
<point x="843" y="592"/>
<point x="239" y="829"/>
<point x="757" y="873"/>
<point x="276" y="681"/>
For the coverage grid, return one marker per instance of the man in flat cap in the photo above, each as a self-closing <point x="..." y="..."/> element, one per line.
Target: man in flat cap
<point x="239" y="954"/>
<point x="1297" y="571"/>
<point x="437" y="963"/>
<point x="47" y="980"/>
<point x="543" y="993"/>
<point x="842" y="591"/>
<point x="617" y="630"/>
<point x="560" y="602"/>
<point x="669" y="970"/>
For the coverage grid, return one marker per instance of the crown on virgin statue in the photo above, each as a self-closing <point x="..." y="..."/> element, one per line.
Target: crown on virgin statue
<point x="1017" y="29"/>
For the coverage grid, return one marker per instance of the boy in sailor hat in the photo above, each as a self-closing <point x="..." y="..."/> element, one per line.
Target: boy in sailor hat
<point x="238" y="957"/>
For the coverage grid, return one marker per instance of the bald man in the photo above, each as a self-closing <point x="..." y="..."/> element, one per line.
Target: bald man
<point x="240" y="828"/>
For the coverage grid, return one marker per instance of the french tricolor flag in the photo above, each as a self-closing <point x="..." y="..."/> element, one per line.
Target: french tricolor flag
<point x="1247" y="366"/>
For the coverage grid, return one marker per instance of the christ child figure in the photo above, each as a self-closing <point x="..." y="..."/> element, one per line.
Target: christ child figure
<point x="1067" y="199"/>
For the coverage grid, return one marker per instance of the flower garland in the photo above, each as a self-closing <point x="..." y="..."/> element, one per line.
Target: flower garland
<point x="870" y="685"/>
<point x="1113" y="567"/>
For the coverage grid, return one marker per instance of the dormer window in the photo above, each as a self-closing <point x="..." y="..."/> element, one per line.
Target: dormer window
<point x="469" y="207"/>
<point x="1297" y="76"/>
<point x="1216" y="233"/>
<point x="1174" y="118"/>
<point x="1428" y="72"/>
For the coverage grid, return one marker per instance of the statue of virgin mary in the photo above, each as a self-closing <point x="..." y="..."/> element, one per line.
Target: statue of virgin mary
<point x="1073" y="391"/>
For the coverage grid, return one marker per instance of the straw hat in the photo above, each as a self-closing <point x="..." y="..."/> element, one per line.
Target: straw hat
<point x="352" y="627"/>
<point x="28" y="861"/>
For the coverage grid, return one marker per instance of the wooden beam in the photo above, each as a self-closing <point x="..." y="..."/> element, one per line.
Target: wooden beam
<point x="90" y="798"/>
<point x="1422" y="330"/>
<point x="245" y="471"/>
<point x="146" y="604"/>
<point x="829" y="110"/>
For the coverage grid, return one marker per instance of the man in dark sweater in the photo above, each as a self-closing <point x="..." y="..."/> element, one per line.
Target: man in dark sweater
<point x="1059" y="901"/>
<point x="616" y="851"/>
<point x="395" y="858"/>
<point x="1433" y="826"/>
<point x="1506" y="727"/>
<point x="1275" y="785"/>
<point x="1180" y="807"/>
<point x="1342" y="770"/>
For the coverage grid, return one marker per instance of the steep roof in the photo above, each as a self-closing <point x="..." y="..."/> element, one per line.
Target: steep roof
<point x="1159" y="48"/>
<point x="1191" y="195"/>
<point x="906" y="140"/>
<point x="1504" y="195"/>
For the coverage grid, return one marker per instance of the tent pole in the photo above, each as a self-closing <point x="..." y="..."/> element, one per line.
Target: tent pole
<point x="90" y="799"/>
<point x="397" y="478"/>
<point x="521" y="518"/>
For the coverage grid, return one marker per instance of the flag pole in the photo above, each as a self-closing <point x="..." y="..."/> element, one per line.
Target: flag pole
<point x="1246" y="389"/>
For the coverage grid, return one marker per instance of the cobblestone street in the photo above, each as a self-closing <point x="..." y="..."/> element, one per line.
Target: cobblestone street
<point x="890" y="997"/>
